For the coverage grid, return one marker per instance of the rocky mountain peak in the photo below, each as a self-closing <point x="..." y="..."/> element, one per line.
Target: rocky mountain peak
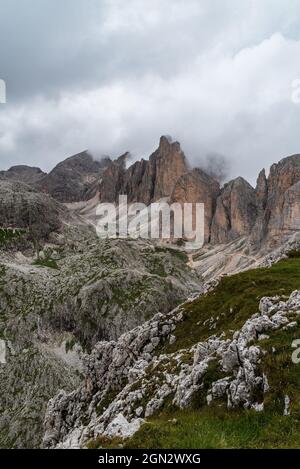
<point x="145" y="180"/>
<point x="166" y="142"/>
<point x="236" y="210"/>
<point x="72" y="178"/>
<point x="284" y="174"/>
<point x="23" y="173"/>
<point x="262" y="190"/>
<point x="278" y="201"/>
<point x="281" y="214"/>
<point x="169" y="163"/>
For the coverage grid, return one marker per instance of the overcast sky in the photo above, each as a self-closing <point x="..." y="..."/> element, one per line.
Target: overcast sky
<point x="114" y="75"/>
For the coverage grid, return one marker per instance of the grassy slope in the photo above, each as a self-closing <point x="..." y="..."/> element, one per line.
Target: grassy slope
<point x="234" y="300"/>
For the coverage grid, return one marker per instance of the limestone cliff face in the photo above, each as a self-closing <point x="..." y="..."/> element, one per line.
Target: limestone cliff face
<point x="261" y="190"/>
<point x="112" y="179"/>
<point x="138" y="182"/>
<point x="72" y="178"/>
<point x="169" y="164"/>
<point x="196" y="186"/>
<point x="237" y="210"/>
<point x="270" y="211"/>
<point x="281" y="179"/>
<point x="279" y="213"/>
<point x="291" y="209"/>
<point x="146" y="181"/>
<point x="235" y="213"/>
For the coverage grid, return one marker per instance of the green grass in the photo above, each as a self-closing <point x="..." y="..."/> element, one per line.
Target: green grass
<point x="50" y="263"/>
<point x="217" y="428"/>
<point x="181" y="255"/>
<point x="233" y="301"/>
<point x="283" y="375"/>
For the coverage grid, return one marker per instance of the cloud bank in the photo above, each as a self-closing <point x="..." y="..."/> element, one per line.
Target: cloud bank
<point x="113" y="76"/>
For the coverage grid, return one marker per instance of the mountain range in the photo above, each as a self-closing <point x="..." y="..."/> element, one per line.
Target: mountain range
<point x="270" y="210"/>
<point x="101" y="336"/>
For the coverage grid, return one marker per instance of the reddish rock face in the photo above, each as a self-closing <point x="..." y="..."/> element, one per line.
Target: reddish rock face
<point x="281" y="179"/>
<point x="146" y="181"/>
<point x="111" y="180"/>
<point x="235" y="213"/>
<point x="269" y="212"/>
<point x="261" y="190"/>
<point x="169" y="165"/>
<point x="196" y="186"/>
<point x="291" y="209"/>
<point x="281" y="212"/>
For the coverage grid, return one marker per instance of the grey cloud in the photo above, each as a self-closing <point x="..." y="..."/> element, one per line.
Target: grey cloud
<point x="113" y="76"/>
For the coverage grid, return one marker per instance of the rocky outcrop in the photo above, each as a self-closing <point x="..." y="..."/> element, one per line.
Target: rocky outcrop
<point x="28" y="379"/>
<point x="27" y="174"/>
<point x="71" y="179"/>
<point x="95" y="290"/>
<point x="23" y="207"/>
<point x="116" y="363"/>
<point x="235" y="213"/>
<point x="139" y="380"/>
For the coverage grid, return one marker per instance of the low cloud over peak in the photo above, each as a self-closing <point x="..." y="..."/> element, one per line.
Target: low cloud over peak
<point x="112" y="76"/>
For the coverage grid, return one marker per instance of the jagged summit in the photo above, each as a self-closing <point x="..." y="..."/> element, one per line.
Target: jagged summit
<point x="72" y="178"/>
<point x="291" y="159"/>
<point x="145" y="180"/>
<point x="168" y="138"/>
<point x="232" y="211"/>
